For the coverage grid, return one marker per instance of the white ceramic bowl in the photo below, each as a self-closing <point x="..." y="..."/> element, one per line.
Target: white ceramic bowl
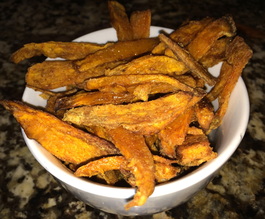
<point x="168" y="195"/>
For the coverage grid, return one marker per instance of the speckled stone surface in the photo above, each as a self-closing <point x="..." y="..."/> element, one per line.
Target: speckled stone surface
<point x="28" y="191"/>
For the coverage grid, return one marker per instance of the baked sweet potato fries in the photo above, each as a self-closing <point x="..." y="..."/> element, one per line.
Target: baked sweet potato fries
<point x="136" y="110"/>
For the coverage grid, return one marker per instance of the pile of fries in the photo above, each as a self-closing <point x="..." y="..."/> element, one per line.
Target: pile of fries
<point x="135" y="110"/>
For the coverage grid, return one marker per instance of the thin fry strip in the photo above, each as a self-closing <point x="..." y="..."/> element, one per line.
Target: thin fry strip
<point x="59" y="138"/>
<point x="140" y="160"/>
<point x="52" y="49"/>
<point x="184" y="34"/>
<point x="140" y="117"/>
<point x="150" y="64"/>
<point x="194" y="151"/>
<point x="118" y="51"/>
<point x="140" y="23"/>
<point x="188" y="60"/>
<point x="101" y="166"/>
<point x="164" y="170"/>
<point x="216" y="53"/>
<point x="93" y="98"/>
<point x="238" y="55"/>
<point x="129" y="80"/>
<point x="51" y="74"/>
<point x="174" y="134"/>
<point x="205" y="39"/>
<point x="120" y="21"/>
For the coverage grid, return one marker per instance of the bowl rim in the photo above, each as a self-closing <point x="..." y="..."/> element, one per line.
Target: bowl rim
<point x="59" y="171"/>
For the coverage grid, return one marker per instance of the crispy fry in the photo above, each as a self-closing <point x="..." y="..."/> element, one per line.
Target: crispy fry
<point x="52" y="49"/>
<point x="59" y="138"/>
<point x="52" y="98"/>
<point x="101" y="166"/>
<point x="188" y="80"/>
<point x="129" y="80"/>
<point x="184" y="34"/>
<point x="93" y="98"/>
<point x="188" y="60"/>
<point x="118" y="51"/>
<point x="120" y="21"/>
<point x="140" y="117"/>
<point x="174" y="134"/>
<point x="140" y="22"/>
<point x="164" y="170"/>
<point x="150" y="64"/>
<point x="51" y="74"/>
<point x="238" y="55"/>
<point x="97" y="71"/>
<point x="194" y="151"/>
<point x="141" y="163"/>
<point x="195" y="131"/>
<point x="216" y="53"/>
<point x="204" y="112"/>
<point x="205" y="39"/>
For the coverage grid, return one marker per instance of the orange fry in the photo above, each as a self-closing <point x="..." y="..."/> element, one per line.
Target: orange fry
<point x="174" y="134"/>
<point x="194" y="151"/>
<point x="93" y="98"/>
<point x="216" y="53"/>
<point x="59" y="138"/>
<point x="101" y="166"/>
<point x="184" y="34"/>
<point x="52" y="49"/>
<point x="205" y="39"/>
<point x="150" y="64"/>
<point x="118" y="51"/>
<point x="51" y="74"/>
<point x="238" y="55"/>
<point x="188" y="60"/>
<point x="141" y="163"/>
<point x="120" y="21"/>
<point x="141" y="117"/>
<point x="129" y="80"/>
<point x="140" y="23"/>
<point x="204" y="112"/>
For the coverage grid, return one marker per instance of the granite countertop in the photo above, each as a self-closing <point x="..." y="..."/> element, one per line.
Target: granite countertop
<point x="28" y="191"/>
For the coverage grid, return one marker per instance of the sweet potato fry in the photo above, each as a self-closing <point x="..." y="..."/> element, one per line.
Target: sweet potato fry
<point x="51" y="74"/>
<point x="52" y="98"/>
<point x="59" y="138"/>
<point x="188" y="60"/>
<point x="193" y="130"/>
<point x="140" y="22"/>
<point x="204" y="113"/>
<point x="194" y="151"/>
<point x="238" y="55"/>
<point x="141" y="117"/>
<point x="97" y="71"/>
<point x="102" y="165"/>
<point x="174" y="133"/>
<point x="129" y="80"/>
<point x="164" y="170"/>
<point x="52" y="49"/>
<point x="93" y="98"/>
<point x="118" y="51"/>
<point x="216" y="53"/>
<point x="150" y="64"/>
<point x="120" y="21"/>
<point x="184" y="34"/>
<point x="205" y="39"/>
<point x="140" y="162"/>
